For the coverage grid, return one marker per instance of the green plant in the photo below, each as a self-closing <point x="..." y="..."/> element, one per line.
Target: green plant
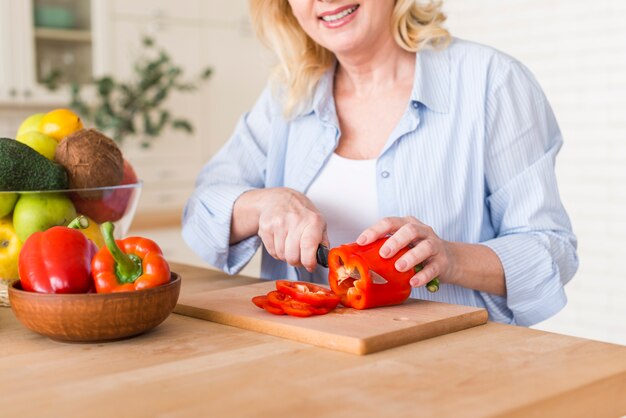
<point x="136" y="107"/>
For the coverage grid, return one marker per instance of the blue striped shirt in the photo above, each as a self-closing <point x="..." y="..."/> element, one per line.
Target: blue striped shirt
<point x="473" y="157"/>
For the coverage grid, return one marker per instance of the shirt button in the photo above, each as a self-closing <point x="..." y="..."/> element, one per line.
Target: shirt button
<point x="384" y="174"/>
<point x="414" y="104"/>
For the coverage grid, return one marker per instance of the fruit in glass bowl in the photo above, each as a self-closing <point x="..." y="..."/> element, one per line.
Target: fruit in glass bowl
<point x="34" y="211"/>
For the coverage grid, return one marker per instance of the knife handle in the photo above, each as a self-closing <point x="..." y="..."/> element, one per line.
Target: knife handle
<point x="322" y="255"/>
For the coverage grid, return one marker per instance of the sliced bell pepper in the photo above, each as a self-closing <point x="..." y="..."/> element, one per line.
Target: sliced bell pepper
<point x="58" y="260"/>
<point x="363" y="279"/>
<point x="133" y="263"/>
<point x="260" y="301"/>
<point x="263" y="303"/>
<point x="308" y="293"/>
<point x="292" y="307"/>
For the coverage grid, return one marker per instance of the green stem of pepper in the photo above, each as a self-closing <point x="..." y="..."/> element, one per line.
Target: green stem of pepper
<point x="433" y="285"/>
<point x="127" y="266"/>
<point x="80" y="222"/>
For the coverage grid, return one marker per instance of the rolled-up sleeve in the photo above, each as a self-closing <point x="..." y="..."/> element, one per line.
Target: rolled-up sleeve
<point x="534" y="238"/>
<point x="238" y="167"/>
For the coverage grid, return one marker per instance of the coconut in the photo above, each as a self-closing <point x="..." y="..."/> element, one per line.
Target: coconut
<point x="91" y="159"/>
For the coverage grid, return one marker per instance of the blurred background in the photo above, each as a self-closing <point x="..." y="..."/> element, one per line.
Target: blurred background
<point x="576" y="49"/>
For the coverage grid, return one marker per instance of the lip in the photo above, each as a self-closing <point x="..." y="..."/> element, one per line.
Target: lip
<point x="344" y="20"/>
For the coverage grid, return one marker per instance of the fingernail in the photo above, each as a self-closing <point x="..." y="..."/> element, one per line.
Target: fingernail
<point x="384" y="251"/>
<point x="361" y="239"/>
<point x="401" y="265"/>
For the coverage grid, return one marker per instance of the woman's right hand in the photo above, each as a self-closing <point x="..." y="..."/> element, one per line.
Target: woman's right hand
<point x="289" y="225"/>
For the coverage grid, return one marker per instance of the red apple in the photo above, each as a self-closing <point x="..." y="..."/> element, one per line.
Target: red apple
<point x="112" y="204"/>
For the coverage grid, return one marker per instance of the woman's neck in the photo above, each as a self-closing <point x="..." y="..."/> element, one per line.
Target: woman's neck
<point x="378" y="69"/>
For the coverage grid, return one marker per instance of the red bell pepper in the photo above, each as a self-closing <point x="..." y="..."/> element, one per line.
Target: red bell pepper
<point x="133" y="263"/>
<point x="310" y="293"/>
<point x="350" y="278"/>
<point x="262" y="302"/>
<point x="293" y="307"/>
<point x="58" y="260"/>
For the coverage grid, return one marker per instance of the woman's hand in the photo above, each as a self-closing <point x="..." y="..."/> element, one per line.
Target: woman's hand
<point x="288" y="223"/>
<point x="427" y="248"/>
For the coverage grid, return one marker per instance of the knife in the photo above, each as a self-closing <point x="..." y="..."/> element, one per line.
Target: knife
<point x="322" y="255"/>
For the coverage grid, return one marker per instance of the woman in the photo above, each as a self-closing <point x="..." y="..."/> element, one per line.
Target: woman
<point x="379" y="123"/>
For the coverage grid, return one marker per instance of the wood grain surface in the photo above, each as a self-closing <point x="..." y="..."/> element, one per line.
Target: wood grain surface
<point x="344" y="329"/>
<point x="188" y="367"/>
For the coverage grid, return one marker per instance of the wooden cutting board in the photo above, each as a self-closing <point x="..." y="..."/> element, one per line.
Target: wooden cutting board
<point x="344" y="329"/>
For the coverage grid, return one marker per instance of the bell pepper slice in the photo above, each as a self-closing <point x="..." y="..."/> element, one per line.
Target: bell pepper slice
<point x="349" y="276"/>
<point x="293" y="307"/>
<point x="133" y="263"/>
<point x="260" y="301"/>
<point x="274" y="310"/>
<point x="310" y="293"/>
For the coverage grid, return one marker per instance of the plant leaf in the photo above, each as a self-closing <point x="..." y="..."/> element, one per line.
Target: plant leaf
<point x="183" y="125"/>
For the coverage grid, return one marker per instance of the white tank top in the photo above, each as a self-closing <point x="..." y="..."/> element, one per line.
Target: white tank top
<point x="345" y="193"/>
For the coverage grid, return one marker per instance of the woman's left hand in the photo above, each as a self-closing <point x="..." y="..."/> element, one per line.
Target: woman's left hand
<point x="427" y="247"/>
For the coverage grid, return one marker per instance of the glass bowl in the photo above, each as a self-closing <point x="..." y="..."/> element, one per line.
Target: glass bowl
<point x="25" y="212"/>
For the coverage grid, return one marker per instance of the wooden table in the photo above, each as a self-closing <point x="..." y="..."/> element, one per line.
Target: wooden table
<point x="190" y="367"/>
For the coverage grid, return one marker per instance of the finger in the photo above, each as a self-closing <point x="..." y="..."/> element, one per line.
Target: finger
<point x="325" y="241"/>
<point x="380" y="229"/>
<point x="292" y="246"/>
<point x="268" y="239"/>
<point x="279" y="245"/>
<point x="429" y="272"/>
<point x="423" y="250"/>
<point x="409" y="233"/>
<point x="312" y="236"/>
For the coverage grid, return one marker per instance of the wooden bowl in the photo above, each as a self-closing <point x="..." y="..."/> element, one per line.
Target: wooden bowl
<point x="94" y="317"/>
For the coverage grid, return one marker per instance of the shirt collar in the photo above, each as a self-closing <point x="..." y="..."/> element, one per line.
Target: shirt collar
<point x="431" y="85"/>
<point x="323" y="101"/>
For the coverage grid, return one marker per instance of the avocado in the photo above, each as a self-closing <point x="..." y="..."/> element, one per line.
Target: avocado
<point x="23" y="168"/>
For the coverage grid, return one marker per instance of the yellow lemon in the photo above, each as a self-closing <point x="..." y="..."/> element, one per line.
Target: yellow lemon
<point x="10" y="246"/>
<point x="60" y="123"/>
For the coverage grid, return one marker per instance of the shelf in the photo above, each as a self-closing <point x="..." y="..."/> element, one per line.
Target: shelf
<point x="65" y="35"/>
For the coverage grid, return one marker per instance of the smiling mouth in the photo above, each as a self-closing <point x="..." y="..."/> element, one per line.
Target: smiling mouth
<point x="340" y="15"/>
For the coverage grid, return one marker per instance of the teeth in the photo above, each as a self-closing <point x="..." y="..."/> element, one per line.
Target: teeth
<point x="332" y="18"/>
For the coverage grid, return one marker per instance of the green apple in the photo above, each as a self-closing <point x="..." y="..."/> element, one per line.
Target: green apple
<point x="10" y="247"/>
<point x="7" y="202"/>
<point x="35" y="212"/>
<point x="43" y="144"/>
<point x="31" y="123"/>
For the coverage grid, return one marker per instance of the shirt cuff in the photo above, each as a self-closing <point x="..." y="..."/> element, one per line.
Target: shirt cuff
<point x="534" y="288"/>
<point x="206" y="227"/>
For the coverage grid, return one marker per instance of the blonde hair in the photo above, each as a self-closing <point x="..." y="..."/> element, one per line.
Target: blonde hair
<point x="302" y="61"/>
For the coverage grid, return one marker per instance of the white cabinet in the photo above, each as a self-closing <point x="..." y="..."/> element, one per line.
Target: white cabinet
<point x="8" y="87"/>
<point x="39" y="37"/>
<point x="196" y="34"/>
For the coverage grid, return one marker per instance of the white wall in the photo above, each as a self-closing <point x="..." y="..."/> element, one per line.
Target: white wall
<point x="577" y="51"/>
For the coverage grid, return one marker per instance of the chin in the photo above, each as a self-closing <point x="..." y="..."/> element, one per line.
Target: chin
<point x="345" y="44"/>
